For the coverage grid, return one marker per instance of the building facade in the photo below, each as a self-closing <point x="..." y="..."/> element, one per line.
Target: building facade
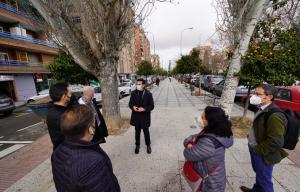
<point x="142" y="46"/>
<point x="24" y="52"/>
<point x="126" y="63"/>
<point x="155" y="61"/>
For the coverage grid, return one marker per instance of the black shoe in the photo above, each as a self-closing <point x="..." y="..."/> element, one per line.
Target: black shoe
<point x="245" y="189"/>
<point x="137" y="149"/>
<point x="149" y="149"/>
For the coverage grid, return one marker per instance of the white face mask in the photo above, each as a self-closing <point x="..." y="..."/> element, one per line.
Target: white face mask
<point x="255" y="100"/>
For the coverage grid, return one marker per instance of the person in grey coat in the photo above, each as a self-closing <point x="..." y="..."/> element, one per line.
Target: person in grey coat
<point x="207" y="149"/>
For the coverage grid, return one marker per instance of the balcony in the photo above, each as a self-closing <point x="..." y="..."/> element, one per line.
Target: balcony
<point x="27" y="39"/>
<point x="16" y="11"/>
<point x="14" y="66"/>
<point x="30" y="44"/>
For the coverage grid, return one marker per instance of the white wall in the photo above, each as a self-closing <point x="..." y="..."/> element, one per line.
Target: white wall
<point x="25" y="86"/>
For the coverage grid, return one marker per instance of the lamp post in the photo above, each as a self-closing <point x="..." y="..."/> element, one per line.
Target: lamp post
<point x="190" y="28"/>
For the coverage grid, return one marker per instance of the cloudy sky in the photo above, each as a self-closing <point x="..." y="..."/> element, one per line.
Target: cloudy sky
<point x="167" y="21"/>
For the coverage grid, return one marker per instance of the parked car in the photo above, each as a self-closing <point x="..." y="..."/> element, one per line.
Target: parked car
<point x="241" y="91"/>
<point x="212" y="83"/>
<point x="126" y="88"/>
<point x="76" y="89"/>
<point x="288" y="98"/>
<point x="7" y="105"/>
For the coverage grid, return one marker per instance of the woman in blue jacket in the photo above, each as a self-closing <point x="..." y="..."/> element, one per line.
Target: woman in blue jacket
<point x="207" y="149"/>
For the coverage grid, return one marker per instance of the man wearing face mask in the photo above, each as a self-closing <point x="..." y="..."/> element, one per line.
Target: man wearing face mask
<point x="266" y="139"/>
<point x="78" y="164"/>
<point x="141" y="103"/>
<point x="88" y="99"/>
<point x="61" y="97"/>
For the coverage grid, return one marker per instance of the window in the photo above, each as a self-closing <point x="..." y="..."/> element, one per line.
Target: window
<point x="284" y="94"/>
<point x="22" y="56"/>
<point x="4" y="56"/>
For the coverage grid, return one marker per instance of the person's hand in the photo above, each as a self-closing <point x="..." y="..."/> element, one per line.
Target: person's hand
<point x="135" y="108"/>
<point x="141" y="109"/>
<point x="189" y="146"/>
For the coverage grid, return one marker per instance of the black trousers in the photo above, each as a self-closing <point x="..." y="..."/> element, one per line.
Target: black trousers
<point x="138" y="130"/>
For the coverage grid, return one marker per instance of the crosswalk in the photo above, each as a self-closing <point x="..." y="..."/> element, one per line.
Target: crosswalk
<point x="8" y="147"/>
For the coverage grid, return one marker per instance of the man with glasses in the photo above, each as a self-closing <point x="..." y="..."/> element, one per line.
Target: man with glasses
<point x="61" y="96"/>
<point x="141" y="103"/>
<point x="266" y="139"/>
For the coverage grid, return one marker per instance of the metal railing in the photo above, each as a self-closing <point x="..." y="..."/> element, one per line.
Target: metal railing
<point x="13" y="63"/>
<point x="16" y="11"/>
<point x="27" y="39"/>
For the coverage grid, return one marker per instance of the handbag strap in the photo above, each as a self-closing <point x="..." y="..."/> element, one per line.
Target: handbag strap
<point x="212" y="171"/>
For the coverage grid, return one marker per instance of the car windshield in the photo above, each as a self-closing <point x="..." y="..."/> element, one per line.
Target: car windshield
<point x="124" y="85"/>
<point x="216" y="80"/>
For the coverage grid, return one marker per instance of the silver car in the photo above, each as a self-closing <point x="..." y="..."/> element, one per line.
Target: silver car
<point x="7" y="105"/>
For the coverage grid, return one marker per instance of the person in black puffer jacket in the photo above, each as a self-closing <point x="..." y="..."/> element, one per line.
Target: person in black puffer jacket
<point x="79" y="164"/>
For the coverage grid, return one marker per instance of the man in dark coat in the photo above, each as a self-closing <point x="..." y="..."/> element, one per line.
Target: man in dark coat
<point x="141" y="103"/>
<point x="79" y="164"/>
<point x="101" y="128"/>
<point x="61" y="97"/>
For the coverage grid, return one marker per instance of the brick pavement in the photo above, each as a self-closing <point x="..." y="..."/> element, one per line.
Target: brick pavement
<point x="18" y="164"/>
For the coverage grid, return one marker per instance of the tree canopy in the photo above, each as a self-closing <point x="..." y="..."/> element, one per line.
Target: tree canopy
<point x="191" y="63"/>
<point x="65" y="69"/>
<point x="145" y="68"/>
<point x="273" y="56"/>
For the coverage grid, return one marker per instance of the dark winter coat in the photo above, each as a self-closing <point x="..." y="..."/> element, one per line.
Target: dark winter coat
<point x="53" y="123"/>
<point x="101" y="130"/>
<point x="145" y="100"/>
<point x="207" y="154"/>
<point x="82" y="166"/>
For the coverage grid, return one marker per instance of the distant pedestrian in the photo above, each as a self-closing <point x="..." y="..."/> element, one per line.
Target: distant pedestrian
<point x="157" y="81"/>
<point x="192" y="86"/>
<point x="266" y="138"/>
<point x="141" y="103"/>
<point x="78" y="164"/>
<point x="61" y="96"/>
<point x="88" y="99"/>
<point x="206" y="150"/>
<point x="170" y="79"/>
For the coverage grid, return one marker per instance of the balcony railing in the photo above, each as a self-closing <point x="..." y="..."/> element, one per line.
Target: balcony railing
<point x="27" y="39"/>
<point x="13" y="63"/>
<point x="16" y="11"/>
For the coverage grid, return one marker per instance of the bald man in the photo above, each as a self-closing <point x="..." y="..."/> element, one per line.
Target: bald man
<point x="88" y="99"/>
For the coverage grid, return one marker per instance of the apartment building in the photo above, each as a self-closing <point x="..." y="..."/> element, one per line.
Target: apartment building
<point x="24" y="52"/>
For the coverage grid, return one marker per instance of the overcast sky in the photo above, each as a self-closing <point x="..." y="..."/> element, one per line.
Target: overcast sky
<point x="167" y="22"/>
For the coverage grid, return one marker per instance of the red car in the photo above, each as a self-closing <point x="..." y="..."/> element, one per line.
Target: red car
<point x="289" y="98"/>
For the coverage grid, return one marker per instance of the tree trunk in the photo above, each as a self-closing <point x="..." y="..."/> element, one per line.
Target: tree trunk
<point x="110" y="94"/>
<point x="231" y="82"/>
<point x="247" y="103"/>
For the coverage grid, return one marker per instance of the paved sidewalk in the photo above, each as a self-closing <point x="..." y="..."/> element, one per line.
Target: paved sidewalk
<point x="174" y="113"/>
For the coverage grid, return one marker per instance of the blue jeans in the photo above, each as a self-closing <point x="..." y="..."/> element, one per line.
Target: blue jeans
<point x="263" y="173"/>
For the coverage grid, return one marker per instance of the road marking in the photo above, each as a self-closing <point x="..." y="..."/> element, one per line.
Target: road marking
<point x="16" y="142"/>
<point x="10" y="150"/>
<point x="1" y="137"/>
<point x="21" y="114"/>
<point x="29" y="126"/>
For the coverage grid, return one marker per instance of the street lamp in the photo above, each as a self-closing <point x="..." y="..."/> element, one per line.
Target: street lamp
<point x="152" y="40"/>
<point x="190" y="28"/>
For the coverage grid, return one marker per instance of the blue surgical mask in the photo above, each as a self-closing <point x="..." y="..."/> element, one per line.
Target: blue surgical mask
<point x="139" y="87"/>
